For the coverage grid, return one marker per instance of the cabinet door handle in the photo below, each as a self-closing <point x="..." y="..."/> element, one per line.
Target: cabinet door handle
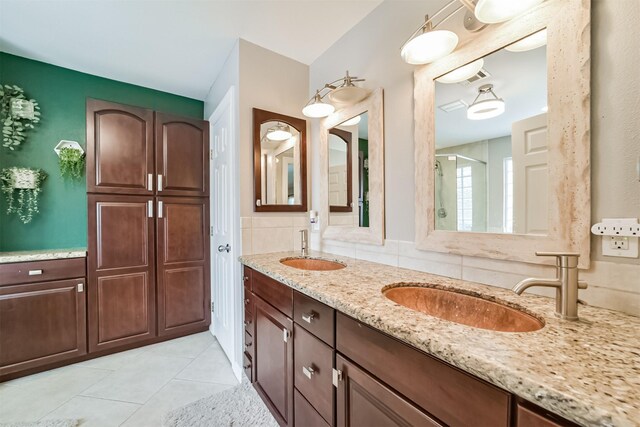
<point x="246" y="301"/>
<point x="286" y="335"/>
<point x="247" y="345"/>
<point x="246" y="366"/>
<point x="150" y="208"/>
<point x="80" y="287"/>
<point x="308" y="371"/>
<point x="159" y="182"/>
<point x="150" y="182"/>
<point x="35" y="272"/>
<point x="309" y="317"/>
<point x="159" y="209"/>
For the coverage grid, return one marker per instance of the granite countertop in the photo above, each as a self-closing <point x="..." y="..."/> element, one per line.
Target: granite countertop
<point x="586" y="371"/>
<point x="42" y="255"/>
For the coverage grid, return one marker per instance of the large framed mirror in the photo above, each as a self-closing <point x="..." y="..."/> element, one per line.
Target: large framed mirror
<point x="352" y="163"/>
<point x="279" y="162"/>
<point x="503" y="124"/>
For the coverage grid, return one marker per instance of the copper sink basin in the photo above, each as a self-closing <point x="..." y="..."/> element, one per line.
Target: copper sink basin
<point x="313" y="264"/>
<point x="465" y="309"/>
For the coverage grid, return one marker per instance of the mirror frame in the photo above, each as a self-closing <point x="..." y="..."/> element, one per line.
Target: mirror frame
<point x="260" y="117"/>
<point x="374" y="234"/>
<point x="568" y="88"/>
<point x="349" y="206"/>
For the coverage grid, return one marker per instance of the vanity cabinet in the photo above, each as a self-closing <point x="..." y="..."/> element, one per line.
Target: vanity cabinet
<point x="42" y="313"/>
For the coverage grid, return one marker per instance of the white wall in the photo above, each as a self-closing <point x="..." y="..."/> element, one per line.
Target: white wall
<point x="371" y="50"/>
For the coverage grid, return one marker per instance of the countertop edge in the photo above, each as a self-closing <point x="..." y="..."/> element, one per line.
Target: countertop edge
<point x="42" y="255"/>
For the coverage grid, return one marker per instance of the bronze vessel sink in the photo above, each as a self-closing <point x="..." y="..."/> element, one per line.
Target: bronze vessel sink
<point x="313" y="264"/>
<point x="464" y="309"/>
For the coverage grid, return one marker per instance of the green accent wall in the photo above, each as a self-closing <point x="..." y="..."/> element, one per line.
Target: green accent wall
<point x="363" y="146"/>
<point x="61" y="94"/>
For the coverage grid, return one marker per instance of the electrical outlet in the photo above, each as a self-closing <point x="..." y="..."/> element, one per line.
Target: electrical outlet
<point x="619" y="236"/>
<point x="619" y="243"/>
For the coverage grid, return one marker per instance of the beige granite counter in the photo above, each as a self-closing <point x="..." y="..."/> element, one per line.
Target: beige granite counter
<point x="586" y="371"/>
<point x="42" y="255"/>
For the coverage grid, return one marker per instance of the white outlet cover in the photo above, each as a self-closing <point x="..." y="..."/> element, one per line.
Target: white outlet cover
<point x="608" y="250"/>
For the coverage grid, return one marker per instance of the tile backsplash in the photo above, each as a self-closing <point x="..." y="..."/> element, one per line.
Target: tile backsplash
<point x="263" y="234"/>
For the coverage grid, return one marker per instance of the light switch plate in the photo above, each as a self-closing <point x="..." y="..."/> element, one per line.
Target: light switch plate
<point x="620" y="246"/>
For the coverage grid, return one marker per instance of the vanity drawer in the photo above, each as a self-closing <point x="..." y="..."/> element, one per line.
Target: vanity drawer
<point x="438" y="388"/>
<point x="246" y="366"/>
<point x="275" y="293"/>
<point x="248" y="312"/>
<point x="248" y="344"/>
<point x="315" y="317"/>
<point x="313" y="369"/>
<point x="246" y="278"/>
<point x="41" y="271"/>
<point x="304" y="414"/>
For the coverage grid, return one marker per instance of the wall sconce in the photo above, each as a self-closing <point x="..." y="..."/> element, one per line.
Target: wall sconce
<point x="428" y="44"/>
<point x="342" y="91"/>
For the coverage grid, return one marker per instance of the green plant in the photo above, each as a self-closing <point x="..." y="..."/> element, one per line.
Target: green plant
<point x="21" y="187"/>
<point x="71" y="163"/>
<point x="19" y="113"/>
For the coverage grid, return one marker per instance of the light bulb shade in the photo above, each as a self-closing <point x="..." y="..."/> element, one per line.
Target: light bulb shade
<point x="279" y="132"/>
<point x="531" y="42"/>
<point x="485" y="109"/>
<point x="351" y="122"/>
<point x="318" y="109"/>
<point x="494" y="11"/>
<point x="463" y="73"/>
<point x="348" y="94"/>
<point x="429" y="46"/>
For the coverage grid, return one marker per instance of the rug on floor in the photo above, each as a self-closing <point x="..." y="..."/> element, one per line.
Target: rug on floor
<point x="239" y="406"/>
<point x="44" y="423"/>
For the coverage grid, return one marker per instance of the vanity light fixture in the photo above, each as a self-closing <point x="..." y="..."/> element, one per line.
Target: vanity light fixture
<point x="428" y="44"/>
<point x="341" y="91"/>
<point x="279" y="132"/>
<point x="531" y="42"/>
<point x="463" y="73"/>
<point x="486" y="108"/>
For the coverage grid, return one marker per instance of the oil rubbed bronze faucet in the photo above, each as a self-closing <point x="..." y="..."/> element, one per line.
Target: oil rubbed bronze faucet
<point x="566" y="284"/>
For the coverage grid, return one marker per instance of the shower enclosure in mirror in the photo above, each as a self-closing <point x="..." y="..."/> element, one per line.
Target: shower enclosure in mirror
<point x="279" y="146"/>
<point x="491" y="162"/>
<point x="349" y="172"/>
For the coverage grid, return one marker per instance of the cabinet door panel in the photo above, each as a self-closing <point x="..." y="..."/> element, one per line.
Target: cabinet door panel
<point x="119" y="148"/>
<point x="364" y="401"/>
<point x="305" y="414"/>
<point x="183" y="265"/>
<point x="273" y="364"/>
<point x="121" y="286"/>
<point x="182" y="155"/>
<point x="41" y="323"/>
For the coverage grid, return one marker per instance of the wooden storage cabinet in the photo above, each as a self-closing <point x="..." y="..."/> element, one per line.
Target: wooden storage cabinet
<point x="42" y="323"/>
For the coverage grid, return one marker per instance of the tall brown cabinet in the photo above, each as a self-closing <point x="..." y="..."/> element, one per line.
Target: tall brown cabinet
<point x="148" y="204"/>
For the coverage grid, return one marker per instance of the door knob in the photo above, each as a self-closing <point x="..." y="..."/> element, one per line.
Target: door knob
<point x="222" y="248"/>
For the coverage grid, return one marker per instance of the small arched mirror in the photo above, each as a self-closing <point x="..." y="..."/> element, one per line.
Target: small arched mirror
<point x="279" y="160"/>
<point x="340" y="187"/>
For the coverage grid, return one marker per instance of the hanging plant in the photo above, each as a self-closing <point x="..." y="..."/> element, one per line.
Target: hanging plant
<point x="71" y="163"/>
<point x="19" y="115"/>
<point x="21" y="187"/>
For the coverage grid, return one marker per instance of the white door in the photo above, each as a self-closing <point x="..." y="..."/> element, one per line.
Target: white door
<point x="223" y="226"/>
<point x="530" y="175"/>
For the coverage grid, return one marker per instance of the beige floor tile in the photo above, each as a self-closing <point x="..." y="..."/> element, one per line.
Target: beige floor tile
<point x="173" y="395"/>
<point x="211" y="366"/>
<point x="114" y="361"/>
<point x="190" y="346"/>
<point x="94" y="412"/>
<point x="140" y="379"/>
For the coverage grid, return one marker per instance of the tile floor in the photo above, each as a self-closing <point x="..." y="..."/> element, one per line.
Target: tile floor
<point x="134" y="388"/>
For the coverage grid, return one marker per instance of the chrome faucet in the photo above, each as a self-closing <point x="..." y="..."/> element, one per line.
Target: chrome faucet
<point x="303" y="242"/>
<point x="566" y="284"/>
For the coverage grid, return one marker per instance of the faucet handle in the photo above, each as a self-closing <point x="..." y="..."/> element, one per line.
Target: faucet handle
<point x="564" y="259"/>
<point x="582" y="284"/>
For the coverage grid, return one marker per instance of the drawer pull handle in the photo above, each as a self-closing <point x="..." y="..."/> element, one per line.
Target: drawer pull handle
<point x="247" y="345"/>
<point x="308" y="372"/>
<point x="245" y="278"/>
<point x="309" y="317"/>
<point x="247" y="366"/>
<point x="80" y="287"/>
<point x="246" y="301"/>
<point x="247" y="323"/>
<point x="35" y="272"/>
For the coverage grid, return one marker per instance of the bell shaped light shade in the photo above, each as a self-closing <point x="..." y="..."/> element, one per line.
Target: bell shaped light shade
<point x="494" y="11"/>
<point x="279" y="132"/>
<point x="429" y="46"/>
<point x="348" y="94"/>
<point x="317" y="108"/>
<point x="463" y="73"/>
<point x="486" y="109"/>
<point x="351" y="122"/>
<point x="531" y="42"/>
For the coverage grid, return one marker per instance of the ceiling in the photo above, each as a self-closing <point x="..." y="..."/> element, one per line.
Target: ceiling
<point x="178" y="46"/>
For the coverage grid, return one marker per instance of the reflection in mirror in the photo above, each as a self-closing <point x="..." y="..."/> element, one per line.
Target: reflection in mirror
<point x="349" y="172"/>
<point x="491" y="168"/>
<point x="279" y="162"/>
<point x="280" y="168"/>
